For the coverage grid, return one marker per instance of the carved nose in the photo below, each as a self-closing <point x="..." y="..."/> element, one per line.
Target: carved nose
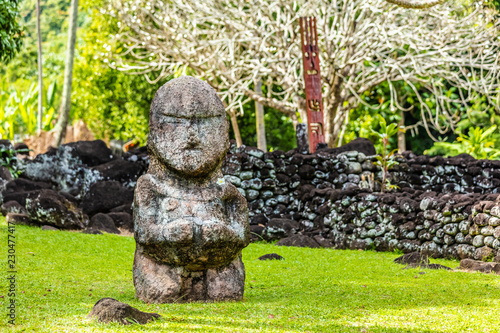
<point x="193" y="140"/>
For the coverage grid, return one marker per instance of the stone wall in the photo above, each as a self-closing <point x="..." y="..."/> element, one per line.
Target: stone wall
<point x="444" y="206"/>
<point x="448" y="207"/>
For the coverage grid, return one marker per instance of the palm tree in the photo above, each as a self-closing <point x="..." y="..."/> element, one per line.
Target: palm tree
<point x="40" y="67"/>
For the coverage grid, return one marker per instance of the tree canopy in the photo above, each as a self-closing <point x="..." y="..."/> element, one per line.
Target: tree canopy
<point x="363" y="44"/>
<point x="10" y="30"/>
<point x="376" y="58"/>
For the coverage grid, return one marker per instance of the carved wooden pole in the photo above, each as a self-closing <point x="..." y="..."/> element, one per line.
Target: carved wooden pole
<point x="312" y="80"/>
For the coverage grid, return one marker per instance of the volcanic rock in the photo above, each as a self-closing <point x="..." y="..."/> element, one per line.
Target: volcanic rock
<point x="271" y="256"/>
<point x="298" y="241"/>
<point x="108" y="310"/>
<point x="50" y="208"/>
<point x="104" y="196"/>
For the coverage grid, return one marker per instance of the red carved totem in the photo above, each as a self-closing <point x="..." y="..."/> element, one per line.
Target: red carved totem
<point x="312" y="79"/>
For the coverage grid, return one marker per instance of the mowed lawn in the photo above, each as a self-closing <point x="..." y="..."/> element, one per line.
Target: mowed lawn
<point x="62" y="274"/>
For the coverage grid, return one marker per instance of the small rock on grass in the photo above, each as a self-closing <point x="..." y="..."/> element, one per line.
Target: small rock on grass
<point x="414" y="258"/>
<point x="91" y="231"/>
<point x="322" y="241"/>
<point x="48" y="227"/>
<point x="428" y="266"/>
<point x="437" y="266"/>
<point x="16" y="218"/>
<point x="271" y="256"/>
<point x="298" y="241"/>
<point x="103" y="222"/>
<point x="480" y="266"/>
<point x="108" y="310"/>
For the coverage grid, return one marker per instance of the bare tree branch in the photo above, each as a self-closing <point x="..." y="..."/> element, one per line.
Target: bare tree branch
<point x="231" y="43"/>
<point x="416" y="4"/>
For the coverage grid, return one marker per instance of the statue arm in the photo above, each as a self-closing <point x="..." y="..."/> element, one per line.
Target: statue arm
<point x="238" y="211"/>
<point x="145" y="211"/>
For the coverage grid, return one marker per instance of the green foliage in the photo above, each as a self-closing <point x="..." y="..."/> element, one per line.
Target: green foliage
<point x="18" y="96"/>
<point x="398" y="252"/>
<point x="8" y="159"/>
<point x="22" y="70"/>
<point x="480" y="115"/>
<point x="11" y="32"/>
<point x="479" y="143"/>
<point x="280" y="134"/>
<point x="315" y="290"/>
<point x="365" y="117"/>
<point x="387" y="159"/>
<point x="114" y="105"/>
<point x="18" y="110"/>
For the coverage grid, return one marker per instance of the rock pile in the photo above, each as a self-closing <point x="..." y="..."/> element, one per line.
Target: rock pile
<point x="458" y="174"/>
<point x="80" y="185"/>
<point x="479" y="266"/>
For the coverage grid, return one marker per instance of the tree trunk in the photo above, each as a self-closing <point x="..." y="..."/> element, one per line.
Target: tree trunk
<point x="236" y="128"/>
<point x="60" y="129"/>
<point x="302" y="109"/>
<point x="401" y="135"/>
<point x="342" y="132"/>
<point x="334" y="120"/>
<point x="40" y="68"/>
<point x="329" y="116"/>
<point x="259" y="119"/>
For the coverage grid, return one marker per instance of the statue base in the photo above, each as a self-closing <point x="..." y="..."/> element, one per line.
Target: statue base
<point x="157" y="282"/>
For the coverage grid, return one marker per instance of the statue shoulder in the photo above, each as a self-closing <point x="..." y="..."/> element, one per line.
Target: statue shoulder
<point x="150" y="186"/>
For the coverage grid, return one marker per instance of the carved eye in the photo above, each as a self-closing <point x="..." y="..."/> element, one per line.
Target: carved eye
<point x="173" y="120"/>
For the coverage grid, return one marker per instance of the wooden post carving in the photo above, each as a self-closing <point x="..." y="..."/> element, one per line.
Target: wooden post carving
<point x="312" y="79"/>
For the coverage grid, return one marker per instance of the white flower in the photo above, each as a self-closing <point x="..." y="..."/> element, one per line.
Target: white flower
<point x="221" y="181"/>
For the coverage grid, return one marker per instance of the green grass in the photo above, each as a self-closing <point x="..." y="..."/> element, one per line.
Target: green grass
<point x="315" y="290"/>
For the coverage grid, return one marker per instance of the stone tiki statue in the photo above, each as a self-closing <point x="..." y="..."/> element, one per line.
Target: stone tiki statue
<point x="190" y="225"/>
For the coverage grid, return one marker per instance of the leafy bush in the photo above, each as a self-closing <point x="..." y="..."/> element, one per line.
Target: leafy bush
<point x="386" y="159"/>
<point x="9" y="160"/>
<point x="114" y="105"/>
<point x="18" y="110"/>
<point x="10" y="30"/>
<point x="479" y="143"/>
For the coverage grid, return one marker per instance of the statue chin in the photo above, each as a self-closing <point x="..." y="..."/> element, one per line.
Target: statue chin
<point x="192" y="170"/>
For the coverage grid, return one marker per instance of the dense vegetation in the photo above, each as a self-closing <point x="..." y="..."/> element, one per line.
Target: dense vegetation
<point x="115" y="105"/>
<point x="10" y="30"/>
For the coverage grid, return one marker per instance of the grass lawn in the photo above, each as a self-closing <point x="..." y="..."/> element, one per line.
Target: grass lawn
<point x="62" y="274"/>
